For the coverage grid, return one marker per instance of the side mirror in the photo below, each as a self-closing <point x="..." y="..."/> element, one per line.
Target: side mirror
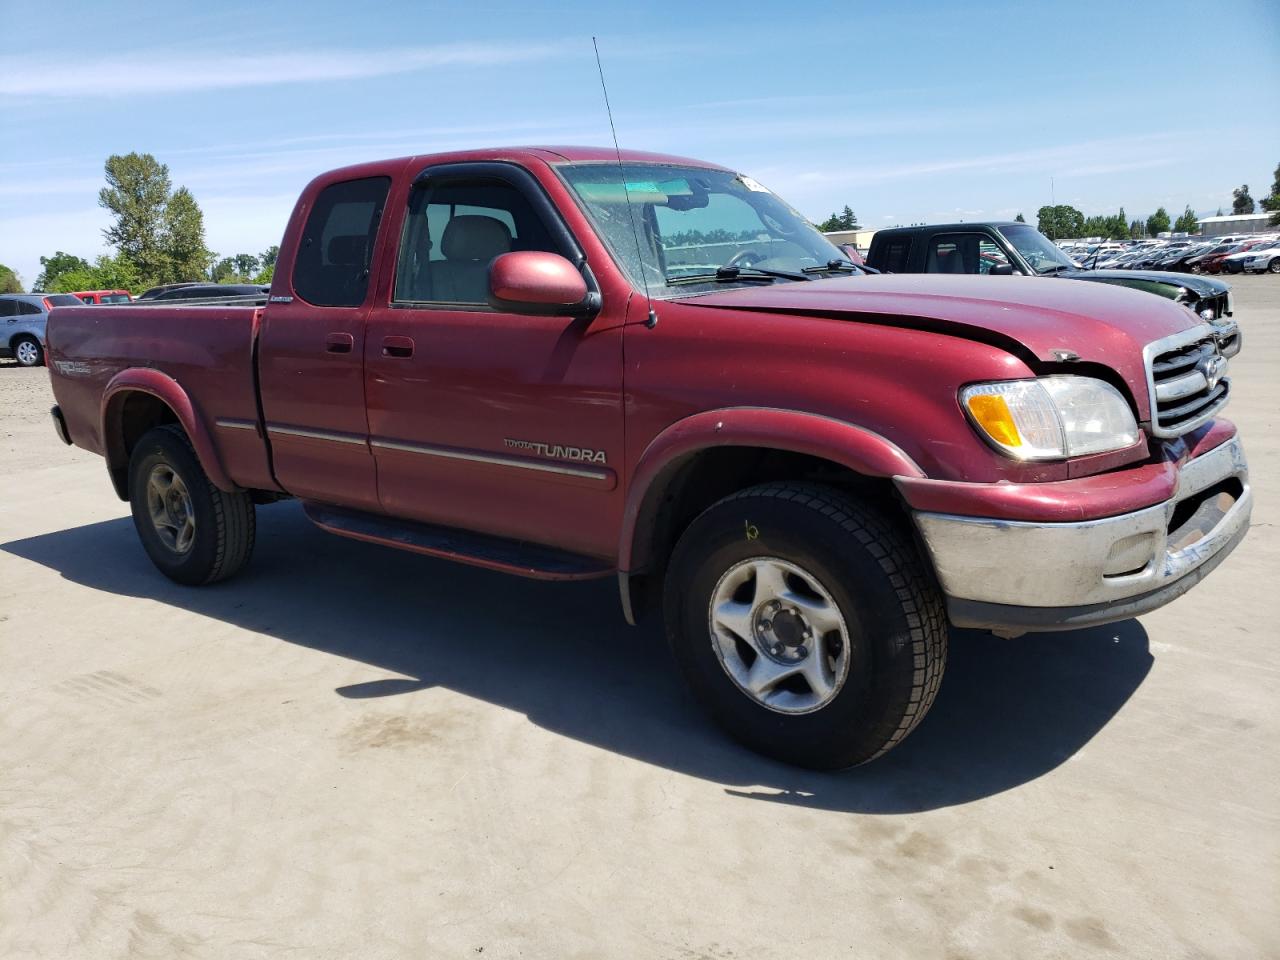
<point x="537" y="282"/>
<point x="1001" y="270"/>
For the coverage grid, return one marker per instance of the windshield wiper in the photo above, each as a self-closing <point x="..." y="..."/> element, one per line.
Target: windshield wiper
<point x="729" y="274"/>
<point x="833" y="266"/>
<point x="1057" y="268"/>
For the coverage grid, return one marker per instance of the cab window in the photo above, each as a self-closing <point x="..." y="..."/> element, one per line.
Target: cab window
<point x="454" y="230"/>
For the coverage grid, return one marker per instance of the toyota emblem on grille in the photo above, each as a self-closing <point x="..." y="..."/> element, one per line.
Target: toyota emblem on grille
<point x="1213" y="368"/>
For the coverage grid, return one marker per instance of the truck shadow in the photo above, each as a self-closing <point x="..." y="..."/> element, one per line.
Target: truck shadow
<point x="1009" y="710"/>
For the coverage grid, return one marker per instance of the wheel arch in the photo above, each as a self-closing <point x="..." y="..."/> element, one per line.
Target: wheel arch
<point x="699" y="460"/>
<point x="135" y="401"/>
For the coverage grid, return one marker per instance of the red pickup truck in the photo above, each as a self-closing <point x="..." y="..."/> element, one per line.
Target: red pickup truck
<point x="565" y="363"/>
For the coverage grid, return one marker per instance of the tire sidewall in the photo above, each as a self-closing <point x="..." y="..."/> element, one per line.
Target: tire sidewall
<point x="165" y="447"/>
<point x="868" y="702"/>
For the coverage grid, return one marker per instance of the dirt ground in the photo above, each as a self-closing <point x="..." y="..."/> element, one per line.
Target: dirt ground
<point x="354" y="752"/>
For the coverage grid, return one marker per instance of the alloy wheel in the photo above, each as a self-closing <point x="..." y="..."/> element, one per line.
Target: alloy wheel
<point x="779" y="635"/>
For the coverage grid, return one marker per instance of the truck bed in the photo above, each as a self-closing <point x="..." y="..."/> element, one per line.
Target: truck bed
<point x="93" y="351"/>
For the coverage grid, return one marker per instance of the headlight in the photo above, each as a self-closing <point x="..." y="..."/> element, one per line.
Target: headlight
<point x="1050" y="418"/>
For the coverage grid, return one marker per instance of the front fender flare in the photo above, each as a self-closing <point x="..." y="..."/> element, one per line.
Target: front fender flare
<point x="862" y="451"/>
<point x="167" y="390"/>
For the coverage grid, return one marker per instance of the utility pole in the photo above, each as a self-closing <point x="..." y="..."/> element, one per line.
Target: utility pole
<point x="1053" y="208"/>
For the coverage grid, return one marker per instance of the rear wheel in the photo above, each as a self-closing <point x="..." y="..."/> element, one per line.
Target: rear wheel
<point x="192" y="531"/>
<point x="806" y="625"/>
<point x="28" y="352"/>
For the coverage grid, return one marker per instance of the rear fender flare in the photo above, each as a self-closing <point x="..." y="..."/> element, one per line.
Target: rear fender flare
<point x="169" y="392"/>
<point x="862" y="451"/>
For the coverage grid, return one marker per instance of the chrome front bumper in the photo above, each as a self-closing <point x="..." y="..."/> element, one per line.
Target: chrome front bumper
<point x="1014" y="576"/>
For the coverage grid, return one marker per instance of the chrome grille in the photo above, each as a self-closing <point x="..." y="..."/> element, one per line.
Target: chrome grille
<point x="1186" y="376"/>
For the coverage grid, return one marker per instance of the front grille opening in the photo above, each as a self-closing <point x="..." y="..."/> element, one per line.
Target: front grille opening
<point x="1195" y="517"/>
<point x="1178" y="414"/>
<point x="1183" y="397"/>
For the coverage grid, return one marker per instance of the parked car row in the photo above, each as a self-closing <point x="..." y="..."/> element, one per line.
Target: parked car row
<point x="1254" y="254"/>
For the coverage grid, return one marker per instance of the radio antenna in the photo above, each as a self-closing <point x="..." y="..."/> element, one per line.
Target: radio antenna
<point x="651" y="320"/>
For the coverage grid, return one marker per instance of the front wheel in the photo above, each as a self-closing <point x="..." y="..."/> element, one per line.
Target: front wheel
<point x="1274" y="266"/>
<point x="192" y="531"/>
<point x="28" y="352"/>
<point x="805" y="623"/>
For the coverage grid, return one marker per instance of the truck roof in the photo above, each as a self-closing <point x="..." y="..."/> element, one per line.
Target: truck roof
<point x="546" y="154"/>
<point x="956" y="227"/>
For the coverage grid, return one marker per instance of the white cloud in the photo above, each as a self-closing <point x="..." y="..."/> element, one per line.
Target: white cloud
<point x="143" y="72"/>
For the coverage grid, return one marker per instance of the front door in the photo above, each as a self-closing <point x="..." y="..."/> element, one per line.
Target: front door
<point x="311" y="352"/>
<point x="478" y="418"/>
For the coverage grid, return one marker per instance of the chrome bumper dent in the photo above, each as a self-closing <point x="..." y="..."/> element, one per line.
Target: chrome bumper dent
<point x="1093" y="563"/>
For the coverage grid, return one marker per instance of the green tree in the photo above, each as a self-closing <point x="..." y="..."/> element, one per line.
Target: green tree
<point x="53" y="267"/>
<point x="269" y="256"/>
<point x="1271" y="202"/>
<point x="106" y="273"/>
<point x="223" y="271"/>
<point x="1020" y="218"/>
<point x="183" y="239"/>
<point x="1137" y="230"/>
<point x="1241" y="202"/>
<point x="1158" y="222"/>
<point x="845" y="219"/>
<point x="246" y="265"/>
<point x="9" y="282"/>
<point x="1060" y="222"/>
<point x="266" y="275"/>
<point x="1187" y="222"/>
<point x="137" y="194"/>
<point x="158" y="230"/>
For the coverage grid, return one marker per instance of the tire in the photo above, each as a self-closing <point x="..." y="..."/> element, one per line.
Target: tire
<point x="193" y="532"/>
<point x="841" y="562"/>
<point x="27" y="351"/>
<point x="1274" y="265"/>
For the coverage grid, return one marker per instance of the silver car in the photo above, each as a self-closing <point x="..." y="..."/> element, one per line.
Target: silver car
<point x="23" y="317"/>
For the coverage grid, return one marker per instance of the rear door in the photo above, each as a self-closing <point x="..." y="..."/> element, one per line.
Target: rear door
<point x="311" y="351"/>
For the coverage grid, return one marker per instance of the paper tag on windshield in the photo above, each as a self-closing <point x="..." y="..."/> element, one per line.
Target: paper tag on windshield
<point x="752" y="185"/>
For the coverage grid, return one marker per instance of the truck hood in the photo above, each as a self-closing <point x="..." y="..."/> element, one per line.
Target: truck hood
<point x="1201" y="286"/>
<point x="1099" y="322"/>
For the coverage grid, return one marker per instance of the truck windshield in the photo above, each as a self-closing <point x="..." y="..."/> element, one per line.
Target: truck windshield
<point x="1037" y="249"/>
<point x="692" y="222"/>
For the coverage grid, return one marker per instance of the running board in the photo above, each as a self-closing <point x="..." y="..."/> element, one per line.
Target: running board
<point x="463" y="546"/>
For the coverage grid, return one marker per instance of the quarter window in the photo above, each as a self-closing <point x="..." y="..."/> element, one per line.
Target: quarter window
<point x="332" y="264"/>
<point x="896" y="255"/>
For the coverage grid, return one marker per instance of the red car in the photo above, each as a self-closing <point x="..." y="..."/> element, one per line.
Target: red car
<point x="566" y="364"/>
<point x="104" y="296"/>
<point x="1216" y="263"/>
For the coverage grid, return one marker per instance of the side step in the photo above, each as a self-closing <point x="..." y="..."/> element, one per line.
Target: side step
<point x="477" y="549"/>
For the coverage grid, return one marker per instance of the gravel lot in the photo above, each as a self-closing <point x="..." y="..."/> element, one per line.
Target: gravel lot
<point x="355" y="752"/>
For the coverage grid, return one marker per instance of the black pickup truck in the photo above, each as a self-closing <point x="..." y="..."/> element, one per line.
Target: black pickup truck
<point x="1008" y="248"/>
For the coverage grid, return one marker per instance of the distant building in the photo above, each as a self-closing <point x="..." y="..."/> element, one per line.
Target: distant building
<point x="1235" y="223"/>
<point x="859" y="238"/>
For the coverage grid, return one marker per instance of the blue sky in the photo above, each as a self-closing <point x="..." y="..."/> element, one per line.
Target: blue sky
<point x="907" y="112"/>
